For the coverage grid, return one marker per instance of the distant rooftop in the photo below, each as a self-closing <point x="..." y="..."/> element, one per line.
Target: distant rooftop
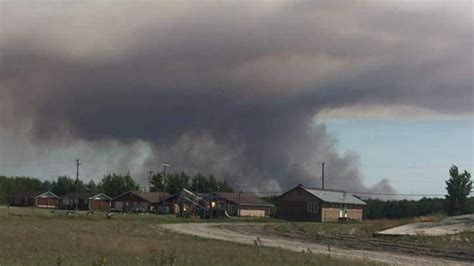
<point x="334" y="196"/>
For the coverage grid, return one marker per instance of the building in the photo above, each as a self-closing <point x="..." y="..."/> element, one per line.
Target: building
<point x="305" y="204"/>
<point x="243" y="204"/>
<point x="86" y="202"/>
<point x="36" y="199"/>
<point x="137" y="201"/>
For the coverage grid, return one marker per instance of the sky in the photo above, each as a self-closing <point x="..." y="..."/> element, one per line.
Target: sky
<point x="414" y="154"/>
<point x="256" y="93"/>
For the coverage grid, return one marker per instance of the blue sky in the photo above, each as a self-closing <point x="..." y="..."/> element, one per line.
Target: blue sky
<point x="414" y="155"/>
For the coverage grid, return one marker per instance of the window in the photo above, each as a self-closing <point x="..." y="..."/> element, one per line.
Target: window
<point x="312" y="207"/>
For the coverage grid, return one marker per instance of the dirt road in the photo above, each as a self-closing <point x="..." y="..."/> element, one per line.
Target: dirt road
<point x="231" y="232"/>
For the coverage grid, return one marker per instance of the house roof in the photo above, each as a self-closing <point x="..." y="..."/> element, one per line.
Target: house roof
<point x="101" y="196"/>
<point x="334" y="196"/>
<point x="34" y="194"/>
<point x="246" y="198"/>
<point x="26" y="194"/>
<point x="153" y="197"/>
<point x="88" y="195"/>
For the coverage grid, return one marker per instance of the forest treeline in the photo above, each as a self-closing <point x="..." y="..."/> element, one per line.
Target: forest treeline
<point x="394" y="209"/>
<point x="111" y="184"/>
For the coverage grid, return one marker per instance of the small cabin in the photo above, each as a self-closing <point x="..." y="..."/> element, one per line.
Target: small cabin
<point x="86" y="202"/>
<point x="243" y="204"/>
<point x="307" y="204"/>
<point x="37" y="199"/>
<point x="137" y="201"/>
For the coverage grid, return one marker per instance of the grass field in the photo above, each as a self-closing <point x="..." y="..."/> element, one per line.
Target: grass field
<point x="39" y="237"/>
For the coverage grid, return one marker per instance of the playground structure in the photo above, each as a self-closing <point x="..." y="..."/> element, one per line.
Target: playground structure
<point x="186" y="203"/>
<point x="190" y="203"/>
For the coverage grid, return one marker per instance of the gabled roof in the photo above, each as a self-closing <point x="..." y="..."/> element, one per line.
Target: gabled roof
<point x="88" y="195"/>
<point x="26" y="194"/>
<point x="152" y="197"/>
<point x="48" y="194"/>
<point x="34" y="194"/>
<point x="246" y="198"/>
<point x="331" y="196"/>
<point x="100" y="196"/>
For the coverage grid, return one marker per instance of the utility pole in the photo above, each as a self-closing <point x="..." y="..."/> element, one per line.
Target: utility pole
<point x="77" y="184"/>
<point x="240" y="202"/>
<point x="322" y="175"/>
<point x="165" y="166"/>
<point x="149" y="180"/>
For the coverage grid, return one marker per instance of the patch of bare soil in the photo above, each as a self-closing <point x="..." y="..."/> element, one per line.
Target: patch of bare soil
<point x="247" y="234"/>
<point x="448" y="226"/>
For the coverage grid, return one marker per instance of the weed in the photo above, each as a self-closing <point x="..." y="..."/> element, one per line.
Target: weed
<point x="100" y="262"/>
<point x="60" y="260"/>
<point x="163" y="258"/>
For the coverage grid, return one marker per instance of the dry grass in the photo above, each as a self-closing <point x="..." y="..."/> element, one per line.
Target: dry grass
<point x="40" y="237"/>
<point x="364" y="230"/>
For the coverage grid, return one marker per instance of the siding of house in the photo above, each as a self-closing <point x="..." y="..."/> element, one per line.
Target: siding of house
<point x="99" y="205"/>
<point x="293" y="206"/>
<point x="355" y="214"/>
<point x="252" y="213"/>
<point x="130" y="202"/>
<point x="17" y="201"/>
<point x="46" y="202"/>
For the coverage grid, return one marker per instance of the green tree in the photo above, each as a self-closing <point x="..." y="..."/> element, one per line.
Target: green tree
<point x="91" y="187"/>
<point x="223" y="187"/>
<point x="114" y="184"/>
<point x="459" y="187"/>
<point x="157" y="182"/>
<point x="198" y="184"/>
<point x="47" y="185"/>
<point x="176" y="182"/>
<point x="65" y="185"/>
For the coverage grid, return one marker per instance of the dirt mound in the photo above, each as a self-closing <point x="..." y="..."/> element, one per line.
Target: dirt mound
<point x="448" y="226"/>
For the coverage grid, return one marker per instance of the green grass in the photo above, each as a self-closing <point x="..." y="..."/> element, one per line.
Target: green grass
<point x="363" y="229"/>
<point x="40" y="237"/>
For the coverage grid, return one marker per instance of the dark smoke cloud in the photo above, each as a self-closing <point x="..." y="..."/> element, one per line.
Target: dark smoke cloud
<point x="233" y="88"/>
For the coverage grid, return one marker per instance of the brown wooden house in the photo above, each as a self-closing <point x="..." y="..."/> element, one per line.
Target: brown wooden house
<point x="243" y="204"/>
<point x="137" y="201"/>
<point x="305" y="204"/>
<point x="36" y="199"/>
<point x="86" y="202"/>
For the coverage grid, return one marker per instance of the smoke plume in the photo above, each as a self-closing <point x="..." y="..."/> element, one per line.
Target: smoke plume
<point x="233" y="89"/>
